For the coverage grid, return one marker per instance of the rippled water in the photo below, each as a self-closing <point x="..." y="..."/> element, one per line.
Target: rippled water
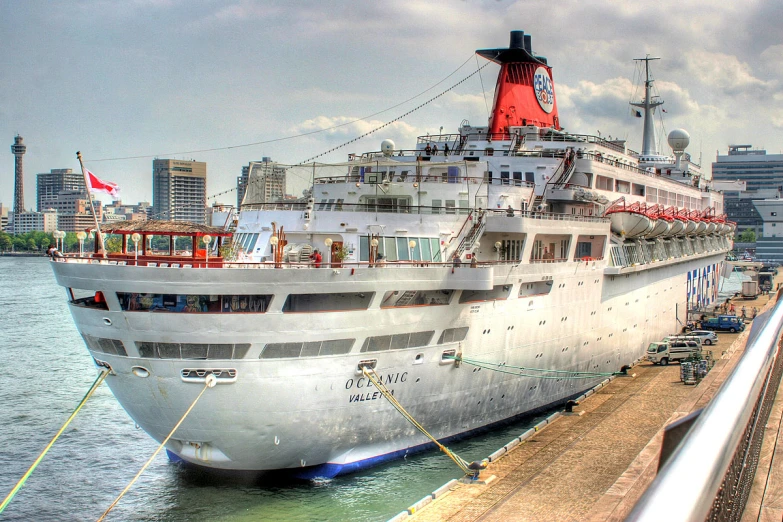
<point x="46" y="371"/>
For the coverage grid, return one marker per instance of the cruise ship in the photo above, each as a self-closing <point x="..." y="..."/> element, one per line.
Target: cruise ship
<point x="517" y="246"/>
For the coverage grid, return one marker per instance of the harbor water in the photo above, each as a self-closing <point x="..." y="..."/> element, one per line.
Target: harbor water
<point x="46" y="371"/>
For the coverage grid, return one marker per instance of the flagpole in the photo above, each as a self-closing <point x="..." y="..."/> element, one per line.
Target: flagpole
<point x="98" y="236"/>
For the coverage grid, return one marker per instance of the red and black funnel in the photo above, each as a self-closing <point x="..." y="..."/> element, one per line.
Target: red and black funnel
<point x="525" y="92"/>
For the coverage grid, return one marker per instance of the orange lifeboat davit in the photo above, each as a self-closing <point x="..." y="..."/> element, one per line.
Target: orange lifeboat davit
<point x="629" y="221"/>
<point x="690" y="222"/>
<point x="663" y="223"/>
<point x="677" y="225"/>
<point x="701" y="225"/>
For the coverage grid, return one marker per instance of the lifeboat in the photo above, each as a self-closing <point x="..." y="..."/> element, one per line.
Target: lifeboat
<point x="629" y="221"/>
<point x="663" y="223"/>
<point x="701" y="225"/>
<point x="690" y="224"/>
<point x="678" y="222"/>
<point x="708" y="217"/>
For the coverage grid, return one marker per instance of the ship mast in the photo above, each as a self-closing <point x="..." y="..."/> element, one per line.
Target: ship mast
<point x="648" y="105"/>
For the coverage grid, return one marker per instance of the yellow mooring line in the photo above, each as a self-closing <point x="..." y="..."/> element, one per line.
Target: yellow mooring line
<point x="7" y="500"/>
<point x="373" y="376"/>
<point x="211" y="381"/>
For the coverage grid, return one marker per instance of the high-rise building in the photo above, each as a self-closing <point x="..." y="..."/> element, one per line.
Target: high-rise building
<point x="50" y="184"/>
<point x="179" y="190"/>
<point x="3" y="217"/>
<point x="262" y="182"/>
<point x="763" y="176"/>
<point x="18" y="149"/>
<point x="45" y="221"/>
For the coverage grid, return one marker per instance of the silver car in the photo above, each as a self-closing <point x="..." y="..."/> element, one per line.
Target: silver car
<point x="707" y="337"/>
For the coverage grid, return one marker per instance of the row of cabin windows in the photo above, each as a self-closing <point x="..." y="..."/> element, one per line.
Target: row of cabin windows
<point x="223" y="351"/>
<point x="399" y="249"/>
<point x="245" y="241"/>
<point x="193" y="303"/>
<point x="652" y="195"/>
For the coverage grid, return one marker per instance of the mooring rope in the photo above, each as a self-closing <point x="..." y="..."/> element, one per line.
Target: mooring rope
<point x="211" y="381"/>
<point x="560" y="374"/>
<point x="372" y="376"/>
<point x="10" y="496"/>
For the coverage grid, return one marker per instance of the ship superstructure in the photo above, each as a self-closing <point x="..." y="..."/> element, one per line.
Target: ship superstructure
<point x="517" y="244"/>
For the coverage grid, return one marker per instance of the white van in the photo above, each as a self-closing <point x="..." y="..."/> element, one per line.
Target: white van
<point x="672" y="349"/>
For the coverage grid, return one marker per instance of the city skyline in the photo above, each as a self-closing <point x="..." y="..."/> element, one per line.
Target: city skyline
<point x="161" y="78"/>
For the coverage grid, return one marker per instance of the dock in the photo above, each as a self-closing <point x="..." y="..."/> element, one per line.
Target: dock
<point x="595" y="465"/>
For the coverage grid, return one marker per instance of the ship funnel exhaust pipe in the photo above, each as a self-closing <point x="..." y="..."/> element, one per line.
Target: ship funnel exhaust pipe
<point x="529" y="43"/>
<point x="517" y="40"/>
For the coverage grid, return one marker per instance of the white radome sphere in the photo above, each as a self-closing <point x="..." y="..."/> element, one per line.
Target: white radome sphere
<point x="679" y="139"/>
<point x="387" y="147"/>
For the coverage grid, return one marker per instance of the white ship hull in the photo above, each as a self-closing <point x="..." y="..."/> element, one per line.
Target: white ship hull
<point x="300" y="413"/>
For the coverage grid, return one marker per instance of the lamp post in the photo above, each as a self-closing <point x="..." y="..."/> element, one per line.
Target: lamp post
<point x="328" y="242"/>
<point x="207" y="240"/>
<point x="81" y="236"/>
<point x="411" y="245"/>
<point x="58" y="236"/>
<point x="136" y="237"/>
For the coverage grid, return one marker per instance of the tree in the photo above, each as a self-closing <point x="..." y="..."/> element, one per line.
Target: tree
<point x="5" y="241"/>
<point x="31" y="245"/>
<point x="747" y="236"/>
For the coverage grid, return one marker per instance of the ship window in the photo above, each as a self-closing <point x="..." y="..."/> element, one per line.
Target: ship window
<point x="535" y="288"/>
<point x="604" y="183"/>
<point x="101" y="344"/>
<point x="382" y="343"/>
<point x="134" y="302"/>
<point x="436" y="204"/>
<point x="498" y="292"/>
<point x="652" y="195"/>
<point x="402" y="249"/>
<point x="503" y="177"/>
<point x="435" y="249"/>
<point x="390" y="249"/>
<point x="153" y="350"/>
<point x="453" y="335"/>
<point x="297" y="303"/>
<point x="450" y="204"/>
<point x="638" y="190"/>
<point x="307" y="349"/>
<point x="416" y="298"/>
<point x="517" y="179"/>
<point x="623" y="187"/>
<point x="86" y="298"/>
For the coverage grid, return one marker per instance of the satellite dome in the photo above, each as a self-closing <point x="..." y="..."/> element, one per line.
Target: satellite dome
<point x="679" y="139"/>
<point x="387" y="147"/>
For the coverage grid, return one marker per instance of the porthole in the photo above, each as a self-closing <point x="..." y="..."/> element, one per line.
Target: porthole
<point x="107" y="321"/>
<point x="140" y="371"/>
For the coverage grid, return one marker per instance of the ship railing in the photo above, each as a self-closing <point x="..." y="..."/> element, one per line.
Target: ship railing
<point x="709" y="474"/>
<point x="399" y="264"/>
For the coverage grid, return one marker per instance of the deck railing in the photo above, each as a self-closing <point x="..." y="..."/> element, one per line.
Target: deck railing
<point x="710" y="474"/>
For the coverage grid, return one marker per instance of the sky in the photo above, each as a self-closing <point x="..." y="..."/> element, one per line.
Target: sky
<point x="140" y="79"/>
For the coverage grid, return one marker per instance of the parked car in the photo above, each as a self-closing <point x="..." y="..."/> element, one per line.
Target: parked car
<point x="707" y="337"/>
<point x="673" y="349"/>
<point x="724" y="323"/>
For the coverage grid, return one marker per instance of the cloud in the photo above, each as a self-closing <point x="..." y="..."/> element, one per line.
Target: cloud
<point x="726" y="74"/>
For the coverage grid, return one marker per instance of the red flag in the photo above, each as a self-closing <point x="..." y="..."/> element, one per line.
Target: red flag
<point x="98" y="185"/>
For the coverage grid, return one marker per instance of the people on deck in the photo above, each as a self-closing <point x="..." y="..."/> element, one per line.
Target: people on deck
<point x="53" y="252"/>
<point x="316" y="258"/>
<point x="380" y="260"/>
<point x="428" y="149"/>
<point x="474" y="261"/>
<point x="455" y="260"/>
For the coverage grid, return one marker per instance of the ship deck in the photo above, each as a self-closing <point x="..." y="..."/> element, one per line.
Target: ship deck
<point x="595" y="466"/>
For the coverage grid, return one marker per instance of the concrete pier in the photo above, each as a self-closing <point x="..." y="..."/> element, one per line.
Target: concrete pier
<point x="595" y="466"/>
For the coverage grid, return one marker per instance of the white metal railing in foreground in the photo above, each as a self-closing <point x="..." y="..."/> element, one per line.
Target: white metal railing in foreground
<point x="709" y="475"/>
